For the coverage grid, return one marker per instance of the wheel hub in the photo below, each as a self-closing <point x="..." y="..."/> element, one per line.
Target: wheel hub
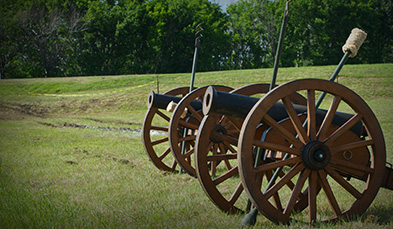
<point x="316" y="155"/>
<point x="219" y="129"/>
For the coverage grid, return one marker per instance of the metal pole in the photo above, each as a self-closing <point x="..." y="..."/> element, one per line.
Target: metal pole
<point x="280" y="44"/>
<point x="334" y="76"/>
<point x="251" y="217"/>
<point x="198" y="35"/>
<point x="194" y="63"/>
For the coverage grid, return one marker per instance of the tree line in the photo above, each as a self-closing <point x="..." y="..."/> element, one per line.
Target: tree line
<point x="49" y="38"/>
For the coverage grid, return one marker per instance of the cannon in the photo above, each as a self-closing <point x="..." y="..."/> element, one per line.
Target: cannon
<point x="175" y="145"/>
<point x="291" y="151"/>
<point x="155" y="126"/>
<point x="215" y="139"/>
<point x="349" y="168"/>
<point x="159" y="120"/>
<point x="184" y="131"/>
<point x="345" y="146"/>
<point x="172" y="121"/>
<point x="277" y="150"/>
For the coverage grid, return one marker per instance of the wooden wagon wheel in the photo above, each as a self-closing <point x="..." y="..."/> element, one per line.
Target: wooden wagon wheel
<point x="155" y="134"/>
<point x="323" y="155"/>
<point x="183" y="130"/>
<point x="216" y="154"/>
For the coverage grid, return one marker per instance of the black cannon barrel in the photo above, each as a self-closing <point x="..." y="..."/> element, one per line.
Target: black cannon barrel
<point x="161" y="101"/>
<point x="238" y="106"/>
<point x="225" y="103"/>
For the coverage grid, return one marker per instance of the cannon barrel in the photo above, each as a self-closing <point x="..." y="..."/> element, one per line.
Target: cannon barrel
<point x="161" y="101"/>
<point x="230" y="104"/>
<point x="238" y="106"/>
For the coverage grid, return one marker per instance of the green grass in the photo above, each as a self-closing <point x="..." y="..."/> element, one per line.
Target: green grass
<point x="54" y="174"/>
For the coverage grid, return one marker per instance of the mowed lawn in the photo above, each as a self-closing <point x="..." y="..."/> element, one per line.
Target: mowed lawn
<point x="71" y="153"/>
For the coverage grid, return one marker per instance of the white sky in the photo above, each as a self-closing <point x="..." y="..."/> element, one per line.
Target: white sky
<point x="223" y="3"/>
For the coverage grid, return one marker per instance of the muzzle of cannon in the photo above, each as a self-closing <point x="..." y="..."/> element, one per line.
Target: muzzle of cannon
<point x="162" y="101"/>
<point x="238" y="106"/>
<point x="229" y="104"/>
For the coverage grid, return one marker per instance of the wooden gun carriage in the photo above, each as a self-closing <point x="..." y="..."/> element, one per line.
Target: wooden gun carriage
<point x="290" y="150"/>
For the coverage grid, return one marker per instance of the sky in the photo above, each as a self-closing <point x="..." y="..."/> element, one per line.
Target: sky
<point x="223" y="3"/>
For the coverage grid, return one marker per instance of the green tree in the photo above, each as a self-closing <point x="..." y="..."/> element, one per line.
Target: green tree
<point x="115" y="38"/>
<point x="174" y="34"/>
<point x="252" y="26"/>
<point x="37" y="37"/>
<point x="126" y="37"/>
<point x="318" y="29"/>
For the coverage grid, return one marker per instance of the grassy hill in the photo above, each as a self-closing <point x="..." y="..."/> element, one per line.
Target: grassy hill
<point x="71" y="154"/>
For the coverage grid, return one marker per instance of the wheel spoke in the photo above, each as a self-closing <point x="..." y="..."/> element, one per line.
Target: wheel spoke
<point x="213" y="168"/>
<point x="215" y="149"/>
<point x="276" y="197"/>
<point x="351" y="146"/>
<point x="226" y="161"/>
<point x="174" y="164"/>
<point x="284" y="180"/>
<point x="162" y="115"/>
<point x="233" y="132"/>
<point x="236" y="194"/>
<point x="192" y="143"/>
<point x="188" y="153"/>
<point x="236" y="123"/>
<point x="229" y="146"/>
<point x="195" y="113"/>
<point x="210" y="146"/>
<point x="159" y="141"/>
<point x="345" y="184"/>
<point x="188" y="125"/>
<point x="329" y="193"/>
<point x="296" y="191"/>
<point x="328" y="118"/>
<point x="276" y="147"/>
<point x="165" y="129"/>
<point x="276" y="164"/>
<point x="345" y="127"/>
<point x="297" y="124"/>
<point x="187" y="138"/>
<point x="335" y="162"/>
<point x="290" y="184"/>
<point x="227" y="138"/>
<point x="284" y="132"/>
<point x="165" y="153"/>
<point x="219" y="157"/>
<point x="311" y="115"/>
<point x="230" y="173"/>
<point x="277" y="201"/>
<point x="214" y="163"/>
<point x="312" y="196"/>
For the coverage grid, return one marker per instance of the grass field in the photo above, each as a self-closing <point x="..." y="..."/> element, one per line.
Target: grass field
<point x="71" y="153"/>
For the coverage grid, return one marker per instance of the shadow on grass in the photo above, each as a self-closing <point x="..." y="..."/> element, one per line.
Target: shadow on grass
<point x="374" y="215"/>
<point x="381" y="214"/>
